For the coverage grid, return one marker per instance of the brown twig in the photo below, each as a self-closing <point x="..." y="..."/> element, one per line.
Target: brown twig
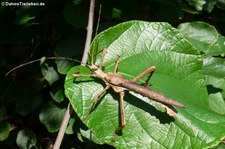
<point x="89" y="32"/>
<point x="63" y="127"/>
<point x="83" y="62"/>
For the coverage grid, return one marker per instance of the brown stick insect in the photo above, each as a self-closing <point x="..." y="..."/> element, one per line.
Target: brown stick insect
<point x="119" y="84"/>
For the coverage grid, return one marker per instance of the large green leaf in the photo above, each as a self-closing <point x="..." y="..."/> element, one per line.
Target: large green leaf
<point x="178" y="75"/>
<point x="204" y="37"/>
<point x="207" y="40"/>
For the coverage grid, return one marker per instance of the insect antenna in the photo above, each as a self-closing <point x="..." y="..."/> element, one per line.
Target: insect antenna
<point x="43" y="59"/>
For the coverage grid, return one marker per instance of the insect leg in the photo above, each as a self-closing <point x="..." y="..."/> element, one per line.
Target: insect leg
<point x="103" y="57"/>
<point x="122" y="113"/>
<point x="149" y="71"/>
<point x="96" y="100"/>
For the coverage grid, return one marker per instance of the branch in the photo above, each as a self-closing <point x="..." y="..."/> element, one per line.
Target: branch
<point x="89" y="32"/>
<point x="63" y="127"/>
<point x="83" y="62"/>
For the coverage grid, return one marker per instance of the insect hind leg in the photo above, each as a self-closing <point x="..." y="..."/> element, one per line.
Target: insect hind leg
<point x="149" y="71"/>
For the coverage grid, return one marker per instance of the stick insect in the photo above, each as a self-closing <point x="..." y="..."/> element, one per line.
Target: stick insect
<point x="117" y="82"/>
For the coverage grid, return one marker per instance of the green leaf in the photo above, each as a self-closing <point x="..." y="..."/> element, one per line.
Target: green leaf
<point x="49" y="73"/>
<point x="57" y="91"/>
<point x="185" y="7"/>
<point x="216" y="82"/>
<point x="63" y="66"/>
<point x="221" y="4"/>
<point x="4" y="130"/>
<point x="198" y="4"/>
<point x="218" y="48"/>
<point x="216" y="86"/>
<point x="209" y="5"/>
<point x="220" y="146"/>
<point x="76" y="2"/>
<point x="26" y="139"/>
<point x="199" y="34"/>
<point x="178" y="75"/>
<point x="51" y="116"/>
<point x="204" y="37"/>
<point x="211" y="43"/>
<point x="217" y="103"/>
<point x="214" y="66"/>
<point x="25" y="14"/>
<point x="71" y="124"/>
<point x="89" y="135"/>
<point x="116" y="13"/>
<point x="24" y="19"/>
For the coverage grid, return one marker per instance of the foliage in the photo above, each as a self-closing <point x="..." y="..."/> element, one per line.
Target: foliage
<point x="33" y="101"/>
<point x="178" y="75"/>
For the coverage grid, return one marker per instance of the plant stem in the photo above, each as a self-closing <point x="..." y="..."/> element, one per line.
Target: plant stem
<point x="89" y="32"/>
<point x="63" y="127"/>
<point x="83" y="62"/>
